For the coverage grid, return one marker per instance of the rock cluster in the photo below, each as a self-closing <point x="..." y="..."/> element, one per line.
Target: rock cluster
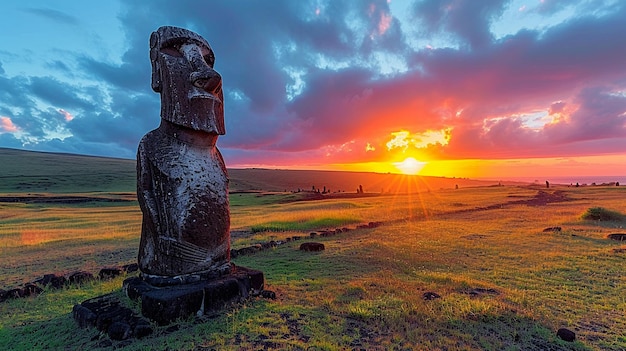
<point x="313" y="247"/>
<point x="617" y="236"/>
<point x="57" y="281"/>
<point x="248" y="250"/>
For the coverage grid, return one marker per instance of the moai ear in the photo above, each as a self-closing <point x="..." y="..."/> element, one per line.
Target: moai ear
<point x="156" y="68"/>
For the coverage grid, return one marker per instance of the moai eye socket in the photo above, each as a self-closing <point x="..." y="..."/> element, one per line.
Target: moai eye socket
<point x="172" y="50"/>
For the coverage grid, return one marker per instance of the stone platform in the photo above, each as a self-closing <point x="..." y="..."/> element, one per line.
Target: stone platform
<point x="168" y="303"/>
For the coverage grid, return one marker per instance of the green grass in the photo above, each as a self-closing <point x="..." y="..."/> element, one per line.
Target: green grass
<point x="310" y="224"/>
<point x="602" y="214"/>
<point x="365" y="290"/>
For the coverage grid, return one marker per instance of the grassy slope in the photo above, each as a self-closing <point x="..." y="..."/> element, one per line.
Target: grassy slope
<point x="32" y="172"/>
<point x="365" y="290"/>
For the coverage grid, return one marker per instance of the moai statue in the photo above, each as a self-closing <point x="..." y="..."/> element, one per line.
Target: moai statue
<point x="182" y="183"/>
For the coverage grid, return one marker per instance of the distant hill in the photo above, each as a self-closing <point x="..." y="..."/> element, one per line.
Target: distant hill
<point x="36" y="172"/>
<point x="32" y="172"/>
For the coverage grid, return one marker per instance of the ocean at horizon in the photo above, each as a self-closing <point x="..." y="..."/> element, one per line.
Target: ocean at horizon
<point x="567" y="180"/>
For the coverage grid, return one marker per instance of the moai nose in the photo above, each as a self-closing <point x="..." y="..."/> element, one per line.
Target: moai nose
<point x="208" y="80"/>
<point x="203" y="75"/>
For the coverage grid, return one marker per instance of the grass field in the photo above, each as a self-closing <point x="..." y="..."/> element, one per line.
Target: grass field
<point x="504" y="283"/>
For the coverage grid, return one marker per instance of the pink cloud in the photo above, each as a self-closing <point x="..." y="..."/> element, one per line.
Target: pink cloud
<point x="68" y="116"/>
<point x="6" y="125"/>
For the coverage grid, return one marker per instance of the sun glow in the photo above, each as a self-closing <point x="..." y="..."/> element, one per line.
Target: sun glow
<point x="410" y="166"/>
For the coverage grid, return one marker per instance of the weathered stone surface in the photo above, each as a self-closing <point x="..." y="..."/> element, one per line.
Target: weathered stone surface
<point x="165" y="304"/>
<point x="552" y="229"/>
<point x="566" y="334"/>
<point x="135" y="287"/>
<point x="182" y="184"/>
<point x="310" y="246"/>
<point x="268" y="294"/>
<point x="119" y="331"/>
<point x="83" y="316"/>
<point x="108" y="315"/>
<point x="142" y="329"/>
<point x="109" y="273"/>
<point x="131" y="267"/>
<point x="80" y="277"/>
<point x="53" y="280"/>
<point x="170" y="303"/>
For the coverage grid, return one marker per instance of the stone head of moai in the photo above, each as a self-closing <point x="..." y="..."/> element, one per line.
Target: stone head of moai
<point x="182" y="72"/>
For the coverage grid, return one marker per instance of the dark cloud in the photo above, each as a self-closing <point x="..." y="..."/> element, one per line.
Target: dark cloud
<point x="57" y="93"/>
<point x="601" y="115"/>
<point x="467" y="20"/>
<point x="54" y="15"/>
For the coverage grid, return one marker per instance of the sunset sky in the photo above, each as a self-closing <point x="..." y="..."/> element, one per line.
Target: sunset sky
<point x="465" y="88"/>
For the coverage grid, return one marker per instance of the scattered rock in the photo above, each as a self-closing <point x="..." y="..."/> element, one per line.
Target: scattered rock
<point x="313" y="234"/>
<point x="268" y="294"/>
<point x="482" y="291"/>
<point x="53" y="280"/>
<point x="327" y="233"/>
<point x="566" y="334"/>
<point x="131" y="267"/>
<point x="617" y="236"/>
<point x="80" y="277"/>
<point x="269" y="245"/>
<point x="429" y="295"/>
<point x="109" y="273"/>
<point x="312" y="247"/>
<point x="30" y="289"/>
<point x="107" y="314"/>
<point x="552" y="229"/>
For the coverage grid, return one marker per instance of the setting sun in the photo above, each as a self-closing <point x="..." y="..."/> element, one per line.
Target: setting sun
<point x="409" y="166"/>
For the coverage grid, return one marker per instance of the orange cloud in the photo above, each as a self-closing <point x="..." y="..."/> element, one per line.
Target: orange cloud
<point x="7" y="126"/>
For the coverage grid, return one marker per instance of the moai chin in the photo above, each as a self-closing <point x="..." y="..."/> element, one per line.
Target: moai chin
<point x="182" y="183"/>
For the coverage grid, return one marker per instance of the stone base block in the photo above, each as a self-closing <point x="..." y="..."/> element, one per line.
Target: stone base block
<point x="166" y="304"/>
<point x="108" y="315"/>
